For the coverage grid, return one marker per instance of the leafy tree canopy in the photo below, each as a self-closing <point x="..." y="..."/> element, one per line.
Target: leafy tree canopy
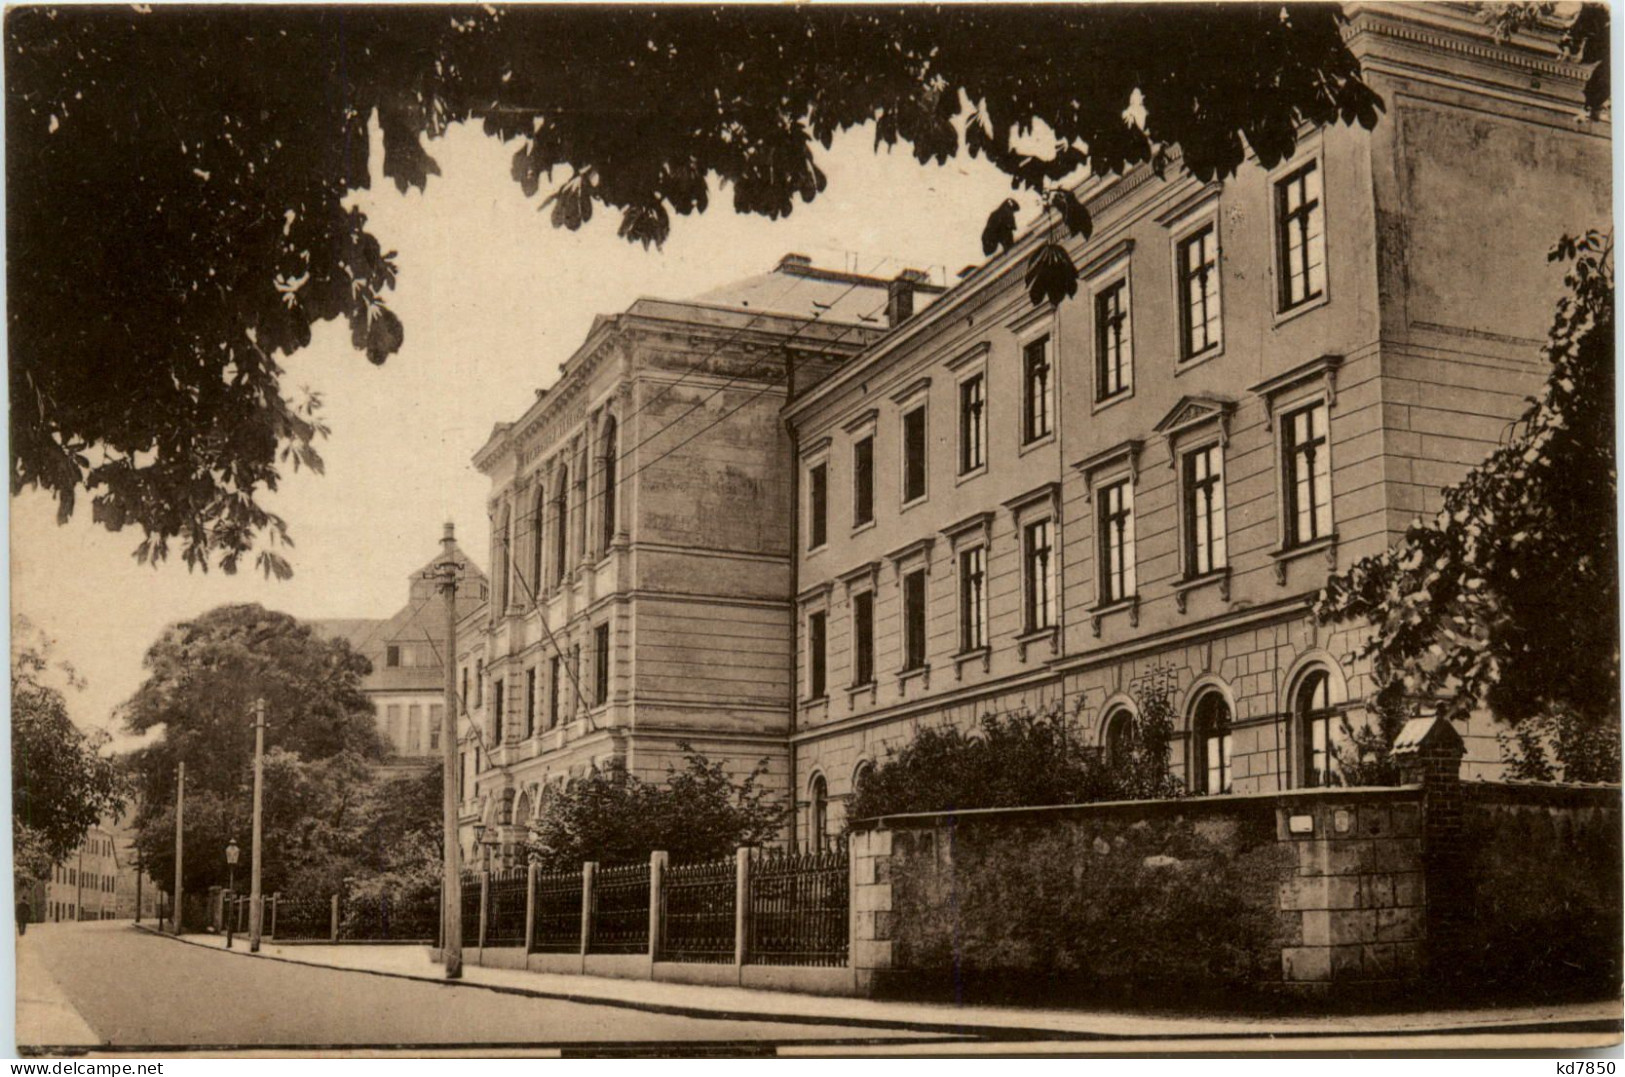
<point x="1025" y="759"/>
<point x="613" y="817"/>
<point x="62" y="783"/>
<point x="202" y="679"/>
<point x="1510" y="596"/>
<point x="178" y="179"/>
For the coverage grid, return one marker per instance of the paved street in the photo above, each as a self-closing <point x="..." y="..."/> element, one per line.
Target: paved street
<point x="133" y="989"/>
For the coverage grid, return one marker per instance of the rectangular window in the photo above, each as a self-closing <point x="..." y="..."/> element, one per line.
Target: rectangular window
<point x="914" y="620"/>
<point x="600" y="673"/>
<point x="1116" y="509"/>
<point x="1300" y="237"/>
<point x="817" y="506"/>
<point x="392" y="725"/>
<point x="553" y="672"/>
<point x="913" y="455"/>
<point x="414" y="728"/>
<point x="1114" y="347"/>
<point x="972" y="425"/>
<point x="462" y="696"/>
<point x="1199" y="293"/>
<point x="863" y="638"/>
<point x="1308" y="479"/>
<point x="863" y="481"/>
<point x="1217" y="749"/>
<point x="973" y="599"/>
<point x="392" y="656"/>
<point x="437" y="718"/>
<point x="1204" y="511"/>
<point x="817" y="643"/>
<point x="530" y="702"/>
<point x="1037" y="394"/>
<point x="1038" y="575"/>
<point x="497" y="715"/>
<point x="479" y="683"/>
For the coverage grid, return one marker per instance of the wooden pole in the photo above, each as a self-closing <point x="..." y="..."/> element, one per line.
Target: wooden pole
<point x="180" y="842"/>
<point x="254" y="909"/>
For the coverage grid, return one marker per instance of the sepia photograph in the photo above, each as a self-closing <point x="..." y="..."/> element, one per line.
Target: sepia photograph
<point x="813" y="530"/>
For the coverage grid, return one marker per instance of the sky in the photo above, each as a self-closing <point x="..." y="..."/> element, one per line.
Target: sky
<point x="493" y="299"/>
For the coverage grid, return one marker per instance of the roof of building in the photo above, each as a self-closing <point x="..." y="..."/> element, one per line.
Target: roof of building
<point x="796" y="287"/>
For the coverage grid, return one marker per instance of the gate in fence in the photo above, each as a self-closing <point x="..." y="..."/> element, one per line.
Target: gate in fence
<point x="556" y="923"/>
<point x="620" y="920"/>
<point x="698" y="912"/>
<point x="799" y="908"/>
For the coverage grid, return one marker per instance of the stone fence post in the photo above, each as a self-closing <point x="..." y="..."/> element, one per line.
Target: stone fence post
<point x="1428" y="752"/>
<point x="741" y="907"/>
<point x="870" y="901"/>
<point x="657" y="901"/>
<point x="333" y="921"/>
<point x="485" y="905"/>
<point x="530" y="904"/>
<point x="589" y="879"/>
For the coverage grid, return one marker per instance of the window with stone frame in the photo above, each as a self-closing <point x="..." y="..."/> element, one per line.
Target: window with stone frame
<point x="1115" y="541"/>
<point x="497" y="731"/>
<point x="1038" y="390"/>
<point x="530" y="702"/>
<point x="1317" y="724"/>
<point x="914" y="616"/>
<point x="1300" y="237"/>
<point x="863" y="481"/>
<point x="914" y="454"/>
<point x="863" y="638"/>
<point x="600" y="674"/>
<point x="1038" y="574"/>
<point x="817" y="506"/>
<point x="1202" y="482"/>
<point x="973" y="599"/>
<point x="1114" y="341"/>
<point x="972" y="423"/>
<point x="1212" y="741"/>
<point x="554" y="672"/>
<point x="1308" y="480"/>
<point x="817" y="654"/>
<point x="1200" y="317"/>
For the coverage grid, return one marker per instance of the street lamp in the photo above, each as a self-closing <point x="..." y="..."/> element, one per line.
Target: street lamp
<point x="485" y="849"/>
<point x="231" y="889"/>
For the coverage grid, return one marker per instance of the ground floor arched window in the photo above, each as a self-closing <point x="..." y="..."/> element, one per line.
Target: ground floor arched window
<point x="819" y="820"/>
<point x="1211" y="741"/>
<point x="1316" y="717"/>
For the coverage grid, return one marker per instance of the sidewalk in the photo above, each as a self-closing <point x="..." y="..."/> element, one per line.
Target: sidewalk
<point x="44" y="1014"/>
<point x="1600" y="1020"/>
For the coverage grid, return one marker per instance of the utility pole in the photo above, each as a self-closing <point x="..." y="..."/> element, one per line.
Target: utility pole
<point x="180" y="831"/>
<point x="451" y="908"/>
<point x="254" y="866"/>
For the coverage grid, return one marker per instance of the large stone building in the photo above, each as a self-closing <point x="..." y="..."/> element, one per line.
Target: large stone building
<point x="642" y="551"/>
<point x="1260" y="380"/>
<point x="407" y="684"/>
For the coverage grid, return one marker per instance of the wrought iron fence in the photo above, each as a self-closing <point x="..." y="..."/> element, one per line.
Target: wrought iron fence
<point x="304" y="919"/>
<point x="697" y="905"/>
<point x="620" y="923"/>
<point x="401" y="918"/>
<point x="471" y="908"/>
<point x="505" y="907"/>
<point x="556" y="927"/>
<point x="798" y="909"/>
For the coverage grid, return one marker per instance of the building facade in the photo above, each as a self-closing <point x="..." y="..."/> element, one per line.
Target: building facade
<point x="642" y="532"/>
<point x="84" y="886"/>
<point x="1260" y="381"/>
<point x="407" y="684"/>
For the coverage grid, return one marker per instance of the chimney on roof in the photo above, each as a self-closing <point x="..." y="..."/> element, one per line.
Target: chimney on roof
<point x="791" y="262"/>
<point x="900" y="296"/>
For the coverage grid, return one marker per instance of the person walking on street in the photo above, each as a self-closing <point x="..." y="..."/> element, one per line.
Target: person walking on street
<point x="23" y="912"/>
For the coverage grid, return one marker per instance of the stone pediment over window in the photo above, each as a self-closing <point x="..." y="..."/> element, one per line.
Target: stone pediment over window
<point x="977" y="526"/>
<point x="1195" y="413"/>
<point x="855" y="579"/>
<point x="1324" y="368"/>
<point x="1125" y="454"/>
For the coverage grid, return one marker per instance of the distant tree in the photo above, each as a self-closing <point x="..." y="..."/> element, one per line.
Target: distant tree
<point x="62" y="782"/>
<point x="613" y="817"/>
<point x="202" y="678"/>
<point x="179" y="179"/>
<point x="1509" y="598"/>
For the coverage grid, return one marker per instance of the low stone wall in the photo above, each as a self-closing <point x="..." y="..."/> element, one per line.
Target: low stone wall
<point x="1436" y="891"/>
<point x="1204" y="897"/>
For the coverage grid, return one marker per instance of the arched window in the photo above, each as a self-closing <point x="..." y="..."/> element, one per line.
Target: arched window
<point x="1118" y="736"/>
<point x="561" y="526"/>
<point x="499" y="561"/>
<point x="1211" y="741"/>
<point x="1312" y="705"/>
<point x="610" y="447"/>
<point x="538" y="531"/>
<point x="820" y="814"/>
